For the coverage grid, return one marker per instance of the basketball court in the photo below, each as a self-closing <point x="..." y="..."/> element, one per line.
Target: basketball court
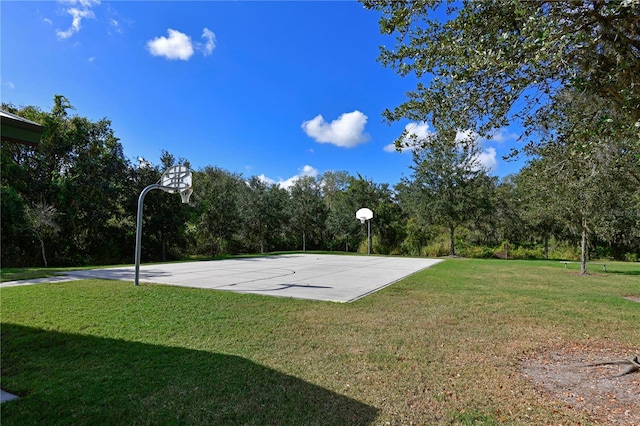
<point x="336" y="278"/>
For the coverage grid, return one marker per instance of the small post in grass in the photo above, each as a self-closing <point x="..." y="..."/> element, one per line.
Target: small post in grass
<point x="174" y="179"/>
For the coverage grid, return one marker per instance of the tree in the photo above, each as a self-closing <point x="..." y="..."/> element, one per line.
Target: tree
<point x="587" y="172"/>
<point x="41" y="221"/>
<point x="538" y="208"/>
<point x="504" y="223"/>
<point x="219" y="217"/>
<point x="448" y="187"/>
<point x="488" y="63"/>
<point x="264" y="213"/>
<point x="80" y="170"/>
<point x="355" y="193"/>
<point x="92" y="188"/>
<point x="308" y="212"/>
<point x="389" y="231"/>
<point x="338" y="224"/>
<point x="13" y="212"/>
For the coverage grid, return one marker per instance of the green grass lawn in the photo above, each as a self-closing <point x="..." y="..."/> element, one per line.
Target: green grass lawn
<point x="440" y="347"/>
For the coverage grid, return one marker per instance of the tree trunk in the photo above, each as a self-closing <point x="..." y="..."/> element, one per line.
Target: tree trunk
<point x="304" y="241"/>
<point x="546" y="247"/>
<point x="583" y="255"/>
<point x="452" y="248"/>
<point x="44" y="257"/>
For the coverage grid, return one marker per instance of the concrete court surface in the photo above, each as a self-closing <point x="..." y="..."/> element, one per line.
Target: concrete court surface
<point x="336" y="278"/>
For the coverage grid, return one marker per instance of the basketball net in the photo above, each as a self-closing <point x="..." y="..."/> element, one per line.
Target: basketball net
<point x="185" y="195"/>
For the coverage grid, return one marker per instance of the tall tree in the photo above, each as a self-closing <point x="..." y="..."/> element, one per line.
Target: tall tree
<point x="588" y="170"/>
<point x="308" y="212"/>
<point x="264" y="213"/>
<point x="448" y="187"/>
<point x="219" y="217"/>
<point x="389" y="228"/>
<point x="340" y="220"/>
<point x="79" y="169"/>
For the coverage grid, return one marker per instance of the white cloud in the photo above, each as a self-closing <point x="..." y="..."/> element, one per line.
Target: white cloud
<point x="466" y="136"/>
<point x="415" y="132"/>
<point x="179" y="45"/>
<point x="262" y="178"/>
<point x="9" y="84"/>
<point x="47" y="20"/>
<point x="503" y="135"/>
<point x="77" y="14"/>
<point x="210" y="44"/>
<point x="306" y="170"/>
<point x="419" y="130"/>
<point x="487" y="159"/>
<point x="346" y="131"/>
<point x="176" y="46"/>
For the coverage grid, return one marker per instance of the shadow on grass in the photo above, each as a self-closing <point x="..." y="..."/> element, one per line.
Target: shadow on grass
<point x="74" y="379"/>
<point x="21" y="274"/>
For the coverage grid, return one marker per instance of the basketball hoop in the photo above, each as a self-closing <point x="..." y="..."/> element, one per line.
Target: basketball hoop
<point x="174" y="179"/>
<point x="365" y="215"/>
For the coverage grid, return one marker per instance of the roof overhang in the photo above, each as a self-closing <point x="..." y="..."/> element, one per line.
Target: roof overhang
<point x="18" y="129"/>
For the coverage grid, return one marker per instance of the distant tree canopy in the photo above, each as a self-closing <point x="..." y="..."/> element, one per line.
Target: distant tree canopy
<point x="72" y="201"/>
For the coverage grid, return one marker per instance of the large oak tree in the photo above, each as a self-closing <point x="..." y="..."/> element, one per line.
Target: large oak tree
<point x="483" y="64"/>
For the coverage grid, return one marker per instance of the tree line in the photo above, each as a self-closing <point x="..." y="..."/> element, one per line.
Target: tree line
<point x="72" y="200"/>
<point x="566" y="72"/>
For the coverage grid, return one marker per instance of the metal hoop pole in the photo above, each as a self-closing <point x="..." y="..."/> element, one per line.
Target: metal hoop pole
<point x="139" y="228"/>
<point x="369" y="236"/>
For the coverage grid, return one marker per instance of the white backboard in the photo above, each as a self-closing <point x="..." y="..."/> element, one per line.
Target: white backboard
<point x="364" y="214"/>
<point x="176" y="179"/>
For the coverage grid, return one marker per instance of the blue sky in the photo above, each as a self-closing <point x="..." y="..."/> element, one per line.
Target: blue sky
<point x="271" y="89"/>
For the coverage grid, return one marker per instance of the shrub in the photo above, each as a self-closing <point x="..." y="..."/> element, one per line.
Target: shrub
<point x="527" y="253"/>
<point x="479" y="252"/>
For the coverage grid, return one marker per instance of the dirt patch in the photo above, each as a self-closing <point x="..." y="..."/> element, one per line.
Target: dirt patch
<point x="563" y="375"/>
<point x="633" y="298"/>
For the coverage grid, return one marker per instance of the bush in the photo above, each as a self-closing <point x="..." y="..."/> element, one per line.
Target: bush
<point x="435" y="249"/>
<point x="527" y="253"/>
<point x="631" y="257"/>
<point x="478" y="252"/>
